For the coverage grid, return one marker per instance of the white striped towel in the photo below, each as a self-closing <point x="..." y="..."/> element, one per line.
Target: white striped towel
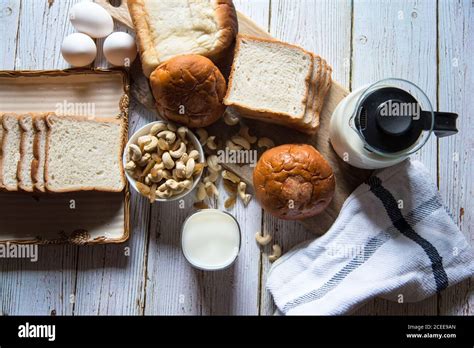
<point x="393" y="239"/>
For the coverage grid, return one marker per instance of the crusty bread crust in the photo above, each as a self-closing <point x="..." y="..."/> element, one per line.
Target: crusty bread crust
<point x="1" y="150"/>
<point x="226" y="18"/>
<point x="246" y="110"/>
<point x="23" y="140"/>
<point x="40" y="127"/>
<point x="50" y="119"/>
<point x="4" y="138"/>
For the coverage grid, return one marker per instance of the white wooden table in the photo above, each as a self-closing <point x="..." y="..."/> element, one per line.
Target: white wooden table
<point x="428" y="42"/>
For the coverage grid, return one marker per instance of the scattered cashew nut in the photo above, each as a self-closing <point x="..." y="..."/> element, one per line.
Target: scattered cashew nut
<point x="245" y="197"/>
<point x="230" y="176"/>
<point x="266" y="143"/>
<point x="230" y="118"/>
<point x="202" y="134"/>
<point x="244" y="132"/>
<point x="211" y="142"/>
<point x="263" y="239"/>
<point x="275" y="254"/>
<point x="135" y="152"/>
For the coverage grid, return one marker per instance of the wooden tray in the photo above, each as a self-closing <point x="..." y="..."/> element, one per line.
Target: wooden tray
<point x="347" y="177"/>
<point x="78" y="217"/>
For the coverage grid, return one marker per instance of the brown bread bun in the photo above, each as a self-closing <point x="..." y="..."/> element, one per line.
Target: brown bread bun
<point x="293" y="182"/>
<point x="189" y="89"/>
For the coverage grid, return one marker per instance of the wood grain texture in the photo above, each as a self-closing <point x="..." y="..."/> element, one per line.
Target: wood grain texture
<point x="48" y="285"/>
<point x="456" y="154"/>
<point x="397" y="39"/>
<point x="155" y="278"/>
<point x="318" y="32"/>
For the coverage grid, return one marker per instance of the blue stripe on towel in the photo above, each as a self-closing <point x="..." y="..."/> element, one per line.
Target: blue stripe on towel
<point x="391" y="206"/>
<point x="371" y="246"/>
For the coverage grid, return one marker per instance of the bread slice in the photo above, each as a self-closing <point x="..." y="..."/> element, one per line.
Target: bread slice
<point x="1" y="142"/>
<point x="10" y="152"/>
<point x="167" y="28"/>
<point x="84" y="154"/>
<point x="39" y="153"/>
<point x="25" y="181"/>
<point x="269" y="78"/>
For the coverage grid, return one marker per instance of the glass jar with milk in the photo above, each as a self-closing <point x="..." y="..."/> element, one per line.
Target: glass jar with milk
<point x="381" y="124"/>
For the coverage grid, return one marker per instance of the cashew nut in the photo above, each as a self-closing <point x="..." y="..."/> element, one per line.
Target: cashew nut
<point x="194" y="154"/>
<point x="186" y="184"/>
<point x="135" y="152"/>
<point x="158" y="127"/>
<point x="171" y="126"/>
<point x="169" y="136"/>
<point x="240" y="140"/>
<point x="167" y="160"/>
<point x="143" y="140"/>
<point x="266" y="143"/>
<point x="230" y="176"/>
<point x="211" y="189"/>
<point x="144" y="160"/>
<point x="202" y="134"/>
<point x="163" y="194"/>
<point x="211" y="143"/>
<point x="230" y="118"/>
<point x="245" y="197"/>
<point x="151" y="146"/>
<point x="130" y="166"/>
<point x="190" y="168"/>
<point x="201" y="192"/>
<point x="276" y="253"/>
<point x="244" y="132"/>
<point x="180" y="169"/>
<point x="263" y="239"/>
<point x="182" y="131"/>
<point x="179" y="152"/>
<point x="211" y="177"/>
<point x="213" y="163"/>
<point x="232" y="146"/>
<point x="172" y="184"/>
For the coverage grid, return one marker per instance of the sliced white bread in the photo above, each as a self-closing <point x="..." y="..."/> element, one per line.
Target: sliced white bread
<point x="25" y="181"/>
<point x="1" y="142"/>
<point x="10" y="152"/>
<point x="84" y="154"/>
<point x="167" y="28"/>
<point x="269" y="79"/>
<point x="39" y="153"/>
<point x="324" y="88"/>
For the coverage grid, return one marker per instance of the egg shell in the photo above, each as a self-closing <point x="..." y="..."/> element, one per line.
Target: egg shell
<point x="120" y="49"/>
<point x="91" y="19"/>
<point x="78" y="49"/>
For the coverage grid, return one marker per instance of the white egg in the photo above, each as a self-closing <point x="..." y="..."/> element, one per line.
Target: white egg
<point x="91" y="19"/>
<point x="120" y="49"/>
<point x="78" y="49"/>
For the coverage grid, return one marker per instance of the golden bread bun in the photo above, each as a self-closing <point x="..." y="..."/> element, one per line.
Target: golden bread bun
<point x="189" y="89"/>
<point x="293" y="182"/>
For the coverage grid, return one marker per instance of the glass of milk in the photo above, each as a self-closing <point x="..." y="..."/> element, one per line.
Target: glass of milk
<point x="210" y="239"/>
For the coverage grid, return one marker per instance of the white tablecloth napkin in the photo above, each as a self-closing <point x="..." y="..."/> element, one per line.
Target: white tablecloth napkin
<point x="393" y="239"/>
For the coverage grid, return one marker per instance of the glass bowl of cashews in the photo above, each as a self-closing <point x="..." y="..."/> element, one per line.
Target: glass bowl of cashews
<point x="163" y="161"/>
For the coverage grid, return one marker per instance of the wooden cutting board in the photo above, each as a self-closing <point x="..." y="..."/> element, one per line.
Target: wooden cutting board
<point x="347" y="177"/>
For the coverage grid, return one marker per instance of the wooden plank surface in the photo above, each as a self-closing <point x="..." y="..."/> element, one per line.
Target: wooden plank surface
<point x="397" y="39"/>
<point x="456" y="154"/>
<point x="154" y="278"/>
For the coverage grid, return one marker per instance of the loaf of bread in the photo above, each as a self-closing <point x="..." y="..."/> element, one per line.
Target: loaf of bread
<point x="189" y="89"/>
<point x="84" y="154"/>
<point x="293" y="182"/>
<point x="276" y="82"/>
<point x="167" y="28"/>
